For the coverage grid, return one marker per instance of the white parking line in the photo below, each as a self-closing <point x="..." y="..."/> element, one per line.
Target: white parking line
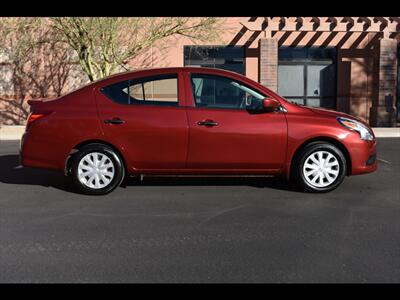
<point x="384" y="161"/>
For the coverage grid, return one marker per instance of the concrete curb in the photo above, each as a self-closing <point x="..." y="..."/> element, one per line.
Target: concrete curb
<point x="11" y="132"/>
<point x="14" y="132"/>
<point x="386" y="132"/>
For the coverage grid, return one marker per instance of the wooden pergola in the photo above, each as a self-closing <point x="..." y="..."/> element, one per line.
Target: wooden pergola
<point x="368" y="43"/>
<point x="389" y="26"/>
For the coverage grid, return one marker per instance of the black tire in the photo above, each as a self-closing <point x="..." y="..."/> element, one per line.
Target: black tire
<point x="119" y="169"/>
<point x="298" y="176"/>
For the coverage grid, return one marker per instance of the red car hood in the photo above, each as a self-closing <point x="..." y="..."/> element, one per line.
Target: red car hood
<point x="334" y="114"/>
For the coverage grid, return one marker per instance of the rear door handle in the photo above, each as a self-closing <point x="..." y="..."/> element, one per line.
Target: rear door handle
<point x="207" y="123"/>
<point x="115" y="121"/>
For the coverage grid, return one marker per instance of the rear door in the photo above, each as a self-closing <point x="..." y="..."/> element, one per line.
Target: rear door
<point x="146" y="118"/>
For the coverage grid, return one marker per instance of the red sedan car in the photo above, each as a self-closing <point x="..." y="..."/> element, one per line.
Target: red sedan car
<point x="192" y="121"/>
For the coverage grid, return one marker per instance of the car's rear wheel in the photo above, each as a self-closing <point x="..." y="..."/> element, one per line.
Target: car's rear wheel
<point x="319" y="167"/>
<point x="96" y="169"/>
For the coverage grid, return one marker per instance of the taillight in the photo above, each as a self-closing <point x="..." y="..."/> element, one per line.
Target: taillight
<point x="32" y="118"/>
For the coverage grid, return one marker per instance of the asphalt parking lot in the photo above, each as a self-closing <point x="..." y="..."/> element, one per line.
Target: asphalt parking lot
<point x="200" y="230"/>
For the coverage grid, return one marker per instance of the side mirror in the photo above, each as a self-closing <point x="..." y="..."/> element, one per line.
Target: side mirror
<point x="270" y="104"/>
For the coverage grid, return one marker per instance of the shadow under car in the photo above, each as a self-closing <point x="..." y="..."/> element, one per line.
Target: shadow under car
<point x="10" y="173"/>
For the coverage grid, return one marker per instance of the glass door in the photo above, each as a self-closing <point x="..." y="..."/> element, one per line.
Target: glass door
<point x="308" y="83"/>
<point x="307" y="75"/>
<point x="291" y="82"/>
<point x="320" y="84"/>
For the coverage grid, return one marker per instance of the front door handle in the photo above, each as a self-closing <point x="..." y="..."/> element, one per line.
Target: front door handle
<point x="115" y="121"/>
<point x="207" y="123"/>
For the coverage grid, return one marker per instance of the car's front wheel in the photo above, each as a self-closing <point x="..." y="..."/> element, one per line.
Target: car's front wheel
<point x="319" y="167"/>
<point x="96" y="169"/>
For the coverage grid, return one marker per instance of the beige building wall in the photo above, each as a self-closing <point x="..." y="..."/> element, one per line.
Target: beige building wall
<point x="169" y="52"/>
<point x="354" y="57"/>
<point x="359" y="72"/>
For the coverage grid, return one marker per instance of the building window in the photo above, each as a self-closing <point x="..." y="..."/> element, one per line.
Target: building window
<point x="222" y="57"/>
<point x="308" y="76"/>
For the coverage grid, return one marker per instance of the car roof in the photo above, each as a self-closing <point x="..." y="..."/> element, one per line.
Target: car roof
<point x="122" y="75"/>
<point x="145" y="72"/>
<point x="174" y="69"/>
<point x="157" y="71"/>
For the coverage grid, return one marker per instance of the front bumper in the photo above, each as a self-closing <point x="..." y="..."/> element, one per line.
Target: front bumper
<point x="371" y="160"/>
<point x="363" y="156"/>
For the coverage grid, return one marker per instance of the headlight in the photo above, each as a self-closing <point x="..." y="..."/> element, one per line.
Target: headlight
<point x="364" y="131"/>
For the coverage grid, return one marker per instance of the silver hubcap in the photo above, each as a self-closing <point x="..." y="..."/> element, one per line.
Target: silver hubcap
<point x="321" y="169"/>
<point x="96" y="170"/>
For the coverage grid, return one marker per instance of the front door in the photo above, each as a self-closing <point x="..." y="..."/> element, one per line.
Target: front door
<point x="145" y="118"/>
<point x="225" y="135"/>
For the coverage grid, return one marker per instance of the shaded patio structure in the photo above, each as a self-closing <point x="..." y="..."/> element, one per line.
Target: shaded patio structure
<point x="345" y="63"/>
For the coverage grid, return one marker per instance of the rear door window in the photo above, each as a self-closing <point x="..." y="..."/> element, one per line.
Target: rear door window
<point x="156" y="90"/>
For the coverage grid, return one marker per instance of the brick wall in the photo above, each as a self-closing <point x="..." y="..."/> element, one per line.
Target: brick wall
<point x="268" y="63"/>
<point x="383" y="110"/>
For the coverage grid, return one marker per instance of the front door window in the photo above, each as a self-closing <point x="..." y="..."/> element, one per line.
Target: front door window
<point x="212" y="91"/>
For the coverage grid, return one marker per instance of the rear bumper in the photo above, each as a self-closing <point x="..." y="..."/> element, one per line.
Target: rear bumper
<point x="21" y="144"/>
<point x="33" y="154"/>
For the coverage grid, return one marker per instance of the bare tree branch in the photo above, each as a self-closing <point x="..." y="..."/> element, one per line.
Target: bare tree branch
<point x="105" y="44"/>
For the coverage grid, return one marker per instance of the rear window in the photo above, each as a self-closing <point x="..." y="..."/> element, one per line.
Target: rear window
<point x="155" y="90"/>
